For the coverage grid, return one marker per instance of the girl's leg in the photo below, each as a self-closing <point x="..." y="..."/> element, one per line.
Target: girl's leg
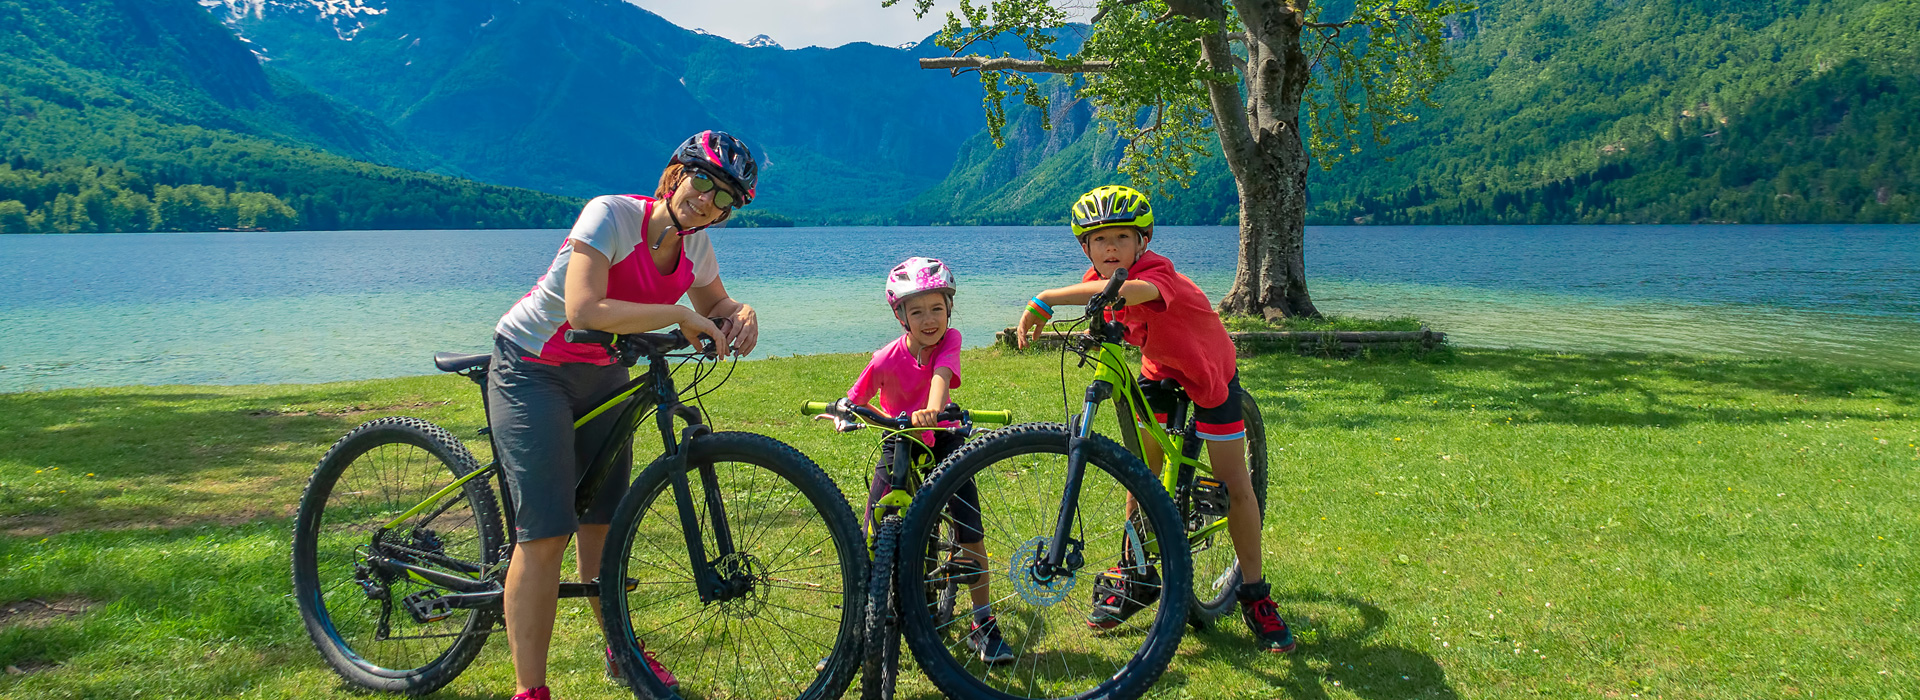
<point x="1229" y="461"/>
<point x="532" y="595"/>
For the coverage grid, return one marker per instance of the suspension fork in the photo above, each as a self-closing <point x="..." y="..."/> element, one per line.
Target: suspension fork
<point x="1059" y="561"/>
<point x="707" y="579"/>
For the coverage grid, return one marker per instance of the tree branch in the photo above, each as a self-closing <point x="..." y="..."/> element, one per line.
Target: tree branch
<point x="1102" y="14"/>
<point x="1014" y="64"/>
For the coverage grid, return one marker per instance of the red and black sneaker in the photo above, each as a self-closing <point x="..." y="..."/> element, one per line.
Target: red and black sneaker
<point x="540" y="693"/>
<point x="1263" y="618"/>
<point x="1120" y="592"/>
<point x="653" y="664"/>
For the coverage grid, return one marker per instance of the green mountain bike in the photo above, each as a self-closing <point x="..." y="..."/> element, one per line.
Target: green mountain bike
<point x="1062" y="499"/>
<point x="746" y="578"/>
<point x="880" y="638"/>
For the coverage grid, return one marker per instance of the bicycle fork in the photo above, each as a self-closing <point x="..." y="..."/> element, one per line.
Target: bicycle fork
<point x="1063" y="556"/>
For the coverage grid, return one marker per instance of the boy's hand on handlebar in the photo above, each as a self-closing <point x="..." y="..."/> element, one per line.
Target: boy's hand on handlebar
<point x="1029" y="329"/>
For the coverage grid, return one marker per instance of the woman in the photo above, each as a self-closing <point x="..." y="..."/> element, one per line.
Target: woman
<point x="623" y="269"/>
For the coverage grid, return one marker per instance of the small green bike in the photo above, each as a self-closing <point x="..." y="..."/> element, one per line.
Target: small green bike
<point x="880" y="662"/>
<point x="732" y="556"/>
<point x="1116" y="511"/>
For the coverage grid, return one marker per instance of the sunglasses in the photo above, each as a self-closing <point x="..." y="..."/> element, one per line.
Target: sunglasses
<point x="721" y="197"/>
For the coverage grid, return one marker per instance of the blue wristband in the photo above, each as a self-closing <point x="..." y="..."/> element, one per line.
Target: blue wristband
<point x="1043" y="305"/>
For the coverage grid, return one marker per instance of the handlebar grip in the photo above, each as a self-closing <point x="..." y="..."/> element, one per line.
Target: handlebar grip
<point x="579" y="335"/>
<point x="1001" y="417"/>
<point x="1113" y="285"/>
<point x="814" y="408"/>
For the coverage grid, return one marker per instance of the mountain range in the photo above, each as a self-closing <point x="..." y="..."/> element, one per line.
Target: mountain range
<point x="362" y="113"/>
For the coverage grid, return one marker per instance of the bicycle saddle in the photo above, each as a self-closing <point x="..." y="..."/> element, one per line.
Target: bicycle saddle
<point x="458" y="362"/>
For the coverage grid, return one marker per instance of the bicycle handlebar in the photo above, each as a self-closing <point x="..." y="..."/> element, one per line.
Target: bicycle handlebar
<point x="628" y="347"/>
<point x="952" y="412"/>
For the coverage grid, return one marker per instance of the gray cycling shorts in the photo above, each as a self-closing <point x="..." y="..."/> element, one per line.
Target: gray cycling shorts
<point x="531" y="408"/>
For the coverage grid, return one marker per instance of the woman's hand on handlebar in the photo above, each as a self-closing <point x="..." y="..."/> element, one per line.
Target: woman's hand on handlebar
<point x="742" y="329"/>
<point x="693" y="327"/>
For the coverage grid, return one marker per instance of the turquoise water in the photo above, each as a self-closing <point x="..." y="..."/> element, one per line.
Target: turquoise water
<point x="239" y="308"/>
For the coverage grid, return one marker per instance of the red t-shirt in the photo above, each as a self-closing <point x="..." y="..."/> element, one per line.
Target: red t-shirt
<point x="1179" y="335"/>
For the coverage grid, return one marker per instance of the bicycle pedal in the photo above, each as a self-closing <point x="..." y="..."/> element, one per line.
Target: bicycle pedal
<point x="965" y="571"/>
<point x="427" y="607"/>
<point x="1209" y="497"/>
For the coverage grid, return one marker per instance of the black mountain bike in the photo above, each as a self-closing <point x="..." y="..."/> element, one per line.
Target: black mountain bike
<point x="880" y="638"/>
<point x="746" y="580"/>
<point x="1068" y="504"/>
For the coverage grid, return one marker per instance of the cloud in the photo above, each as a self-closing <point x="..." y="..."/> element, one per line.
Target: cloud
<point x="829" y="23"/>
<point x="798" y="23"/>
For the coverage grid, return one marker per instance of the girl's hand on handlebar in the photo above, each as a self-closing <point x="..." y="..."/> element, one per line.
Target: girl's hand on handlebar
<point x="926" y="418"/>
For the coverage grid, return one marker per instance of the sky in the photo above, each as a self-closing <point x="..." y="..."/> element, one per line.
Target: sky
<point x="799" y="23"/>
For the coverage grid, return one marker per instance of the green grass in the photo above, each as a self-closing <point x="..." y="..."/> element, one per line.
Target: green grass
<point x="1327" y="323"/>
<point x="1471" y="524"/>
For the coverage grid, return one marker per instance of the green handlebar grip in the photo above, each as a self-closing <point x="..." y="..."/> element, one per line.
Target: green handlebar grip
<point x="814" y="408"/>
<point x="1001" y="417"/>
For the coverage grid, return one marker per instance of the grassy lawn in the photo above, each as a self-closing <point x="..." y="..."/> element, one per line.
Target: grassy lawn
<point x="1471" y="524"/>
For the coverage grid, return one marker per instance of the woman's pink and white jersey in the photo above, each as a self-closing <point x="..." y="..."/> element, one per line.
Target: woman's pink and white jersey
<point x="615" y="225"/>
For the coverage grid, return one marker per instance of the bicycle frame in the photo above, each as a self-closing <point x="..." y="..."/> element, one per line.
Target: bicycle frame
<point x="485" y="589"/>
<point x="1181" y="450"/>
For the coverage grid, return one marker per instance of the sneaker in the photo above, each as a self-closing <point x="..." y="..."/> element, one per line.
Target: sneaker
<point x="653" y="664"/>
<point x="1117" y="595"/>
<point x="1263" y="618"/>
<point x="540" y="693"/>
<point x="985" y="639"/>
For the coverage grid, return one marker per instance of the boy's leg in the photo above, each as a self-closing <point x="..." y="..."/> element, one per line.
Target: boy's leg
<point x="1229" y="461"/>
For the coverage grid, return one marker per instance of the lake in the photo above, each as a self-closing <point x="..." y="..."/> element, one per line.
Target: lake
<point x="242" y="308"/>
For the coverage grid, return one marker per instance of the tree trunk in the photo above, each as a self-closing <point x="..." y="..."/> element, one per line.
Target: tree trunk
<point x="1260" y="137"/>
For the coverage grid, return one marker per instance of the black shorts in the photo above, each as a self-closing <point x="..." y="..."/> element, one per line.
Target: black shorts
<point x="965" y="506"/>
<point x="1223" y="422"/>
<point x="530" y="406"/>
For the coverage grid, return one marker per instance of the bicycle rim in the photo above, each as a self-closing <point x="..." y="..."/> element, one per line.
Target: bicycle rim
<point x="1020" y="474"/>
<point x="794" y="634"/>
<point x="371" y="476"/>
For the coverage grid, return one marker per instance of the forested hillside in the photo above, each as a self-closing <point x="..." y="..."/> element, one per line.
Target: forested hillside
<point x="1564" y="111"/>
<point x="1657" y="111"/>
<point x="144" y="115"/>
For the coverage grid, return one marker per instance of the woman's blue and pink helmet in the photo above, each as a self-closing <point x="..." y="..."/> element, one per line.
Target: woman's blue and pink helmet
<point x="724" y="157"/>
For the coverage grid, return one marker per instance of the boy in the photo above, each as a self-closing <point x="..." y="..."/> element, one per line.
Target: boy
<point x="1182" y="339"/>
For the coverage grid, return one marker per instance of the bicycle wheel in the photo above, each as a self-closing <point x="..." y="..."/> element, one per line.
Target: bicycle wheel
<point x="1216" y="569"/>
<point x="794" y="632"/>
<point x="357" y="615"/>
<point x="1058" y="652"/>
<point x="880" y="658"/>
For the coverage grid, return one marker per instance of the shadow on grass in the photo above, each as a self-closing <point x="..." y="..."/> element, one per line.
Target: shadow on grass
<point x="127" y="453"/>
<point x="1352" y="661"/>
<point x="1615" y="389"/>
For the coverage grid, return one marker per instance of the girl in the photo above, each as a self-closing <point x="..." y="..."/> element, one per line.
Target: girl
<point x="915" y="374"/>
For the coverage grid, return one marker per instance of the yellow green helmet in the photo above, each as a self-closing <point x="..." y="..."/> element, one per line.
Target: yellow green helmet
<point x="1112" y="205"/>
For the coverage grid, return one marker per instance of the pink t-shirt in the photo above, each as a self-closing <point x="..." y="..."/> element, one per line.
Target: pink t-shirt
<point x="901" y="382"/>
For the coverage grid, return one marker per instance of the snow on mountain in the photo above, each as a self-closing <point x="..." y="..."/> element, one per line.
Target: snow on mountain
<point x="345" y="15"/>
<point x="761" y="40"/>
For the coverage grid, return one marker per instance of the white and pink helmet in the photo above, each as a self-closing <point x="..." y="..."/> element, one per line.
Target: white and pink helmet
<point x="918" y="276"/>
